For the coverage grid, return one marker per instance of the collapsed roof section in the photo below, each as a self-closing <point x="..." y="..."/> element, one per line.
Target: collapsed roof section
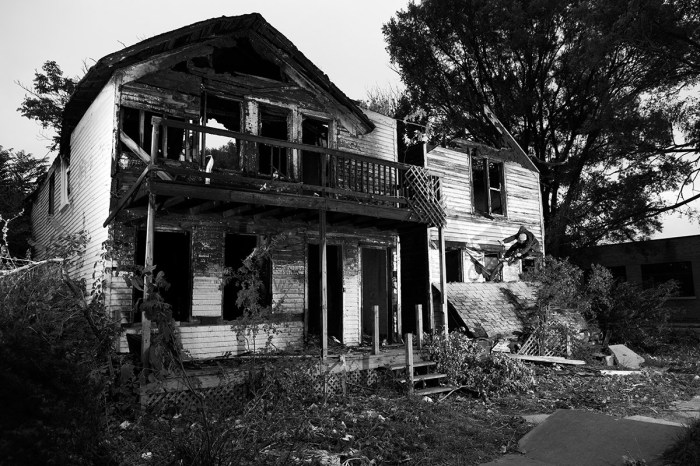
<point x="245" y="47"/>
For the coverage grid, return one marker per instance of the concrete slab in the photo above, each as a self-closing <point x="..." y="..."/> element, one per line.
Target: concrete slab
<point x="625" y="357"/>
<point x="571" y="437"/>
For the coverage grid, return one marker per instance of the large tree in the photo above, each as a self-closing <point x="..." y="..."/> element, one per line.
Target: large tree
<point x="46" y="99"/>
<point x="571" y="80"/>
<point x="19" y="174"/>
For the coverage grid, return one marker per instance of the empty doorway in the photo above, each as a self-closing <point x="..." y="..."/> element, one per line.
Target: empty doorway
<point x="334" y="266"/>
<point x="375" y="291"/>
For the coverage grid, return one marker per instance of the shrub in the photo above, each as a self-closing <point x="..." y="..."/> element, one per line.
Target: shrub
<point x="687" y="449"/>
<point x="55" y="369"/>
<point x="468" y="365"/>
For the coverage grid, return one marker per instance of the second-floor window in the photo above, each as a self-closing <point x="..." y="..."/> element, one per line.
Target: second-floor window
<point x="487" y="186"/>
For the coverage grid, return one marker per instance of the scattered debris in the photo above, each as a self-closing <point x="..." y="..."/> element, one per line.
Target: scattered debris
<point x="615" y="372"/>
<point x="548" y="359"/>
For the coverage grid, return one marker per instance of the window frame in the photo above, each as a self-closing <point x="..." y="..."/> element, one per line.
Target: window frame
<point x="65" y="183"/>
<point x="487" y="189"/>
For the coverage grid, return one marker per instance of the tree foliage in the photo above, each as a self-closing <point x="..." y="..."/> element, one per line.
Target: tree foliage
<point x="19" y="174"/>
<point x="46" y="99"/>
<point x="593" y="108"/>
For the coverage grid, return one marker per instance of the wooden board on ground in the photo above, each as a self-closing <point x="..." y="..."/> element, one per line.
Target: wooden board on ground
<point x="547" y="359"/>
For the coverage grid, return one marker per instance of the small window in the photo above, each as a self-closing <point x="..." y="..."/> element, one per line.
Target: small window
<point x="52" y="194"/>
<point x="654" y="275"/>
<point x="65" y="182"/>
<point x="487" y="182"/>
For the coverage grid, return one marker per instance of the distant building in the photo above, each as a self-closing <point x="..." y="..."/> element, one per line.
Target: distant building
<point x="652" y="263"/>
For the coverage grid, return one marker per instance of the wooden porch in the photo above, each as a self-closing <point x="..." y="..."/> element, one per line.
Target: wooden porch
<point x="297" y="182"/>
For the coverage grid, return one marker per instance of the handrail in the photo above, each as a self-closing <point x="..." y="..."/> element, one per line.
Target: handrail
<point x="277" y="142"/>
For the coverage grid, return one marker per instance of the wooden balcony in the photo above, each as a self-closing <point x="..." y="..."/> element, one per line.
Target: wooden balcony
<point x="264" y="177"/>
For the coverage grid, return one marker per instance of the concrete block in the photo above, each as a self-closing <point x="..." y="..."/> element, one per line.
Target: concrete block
<point x="625" y="357"/>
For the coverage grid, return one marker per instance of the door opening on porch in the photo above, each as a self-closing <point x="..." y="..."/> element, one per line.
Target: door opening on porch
<point x="171" y="255"/>
<point x="236" y="249"/>
<point x="334" y="265"/>
<point x="375" y="292"/>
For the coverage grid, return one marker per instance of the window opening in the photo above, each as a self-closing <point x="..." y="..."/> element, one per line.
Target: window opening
<point x="236" y="249"/>
<point x="137" y="124"/>
<point x="654" y="275"/>
<point x="224" y="114"/>
<point x="454" y="267"/>
<point x="52" y="194"/>
<point x="487" y="181"/>
<point x="273" y="161"/>
<point x="65" y="182"/>
<point x="314" y="133"/>
<point x="491" y="263"/>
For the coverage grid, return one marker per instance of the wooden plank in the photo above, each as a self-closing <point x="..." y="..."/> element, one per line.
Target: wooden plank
<point x="547" y="359"/>
<point x="126" y="197"/>
<point x="136" y="149"/>
<point x="147" y="280"/>
<point x="443" y="281"/>
<point x="375" y="329"/>
<point x="408" y="338"/>
<point x="419" y="325"/>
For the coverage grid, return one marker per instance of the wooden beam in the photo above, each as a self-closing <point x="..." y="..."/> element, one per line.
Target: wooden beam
<point x="443" y="280"/>
<point x="419" y="325"/>
<point x="408" y="339"/>
<point x="204" y="207"/>
<point x="126" y="197"/>
<point x="375" y="329"/>
<point x="323" y="267"/>
<point x="172" y="202"/>
<point x="142" y="154"/>
<point x="237" y="211"/>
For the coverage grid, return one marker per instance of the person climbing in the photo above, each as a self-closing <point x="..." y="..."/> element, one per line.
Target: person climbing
<point x="526" y="246"/>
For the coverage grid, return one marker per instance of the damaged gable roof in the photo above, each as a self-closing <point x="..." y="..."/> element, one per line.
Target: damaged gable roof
<point x="252" y="25"/>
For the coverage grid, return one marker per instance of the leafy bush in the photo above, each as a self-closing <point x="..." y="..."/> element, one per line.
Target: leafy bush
<point x="55" y="369"/>
<point x="687" y="449"/>
<point x="469" y="365"/>
<point x="626" y="313"/>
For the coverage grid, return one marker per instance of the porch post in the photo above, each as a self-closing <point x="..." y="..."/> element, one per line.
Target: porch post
<point x="324" y="282"/>
<point x="443" y="280"/>
<point x="148" y="260"/>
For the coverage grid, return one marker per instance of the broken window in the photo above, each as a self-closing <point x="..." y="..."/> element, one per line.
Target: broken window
<point x="487" y="182"/>
<point x="454" y="266"/>
<point x="273" y="160"/>
<point x="65" y="182"/>
<point x="137" y="125"/>
<point x="491" y="264"/>
<point x="237" y="248"/>
<point x="654" y="275"/>
<point x="52" y="193"/>
<point x="314" y="133"/>
<point x="222" y="152"/>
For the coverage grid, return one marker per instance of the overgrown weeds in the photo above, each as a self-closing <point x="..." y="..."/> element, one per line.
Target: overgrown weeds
<point x="468" y="365"/>
<point x="687" y="449"/>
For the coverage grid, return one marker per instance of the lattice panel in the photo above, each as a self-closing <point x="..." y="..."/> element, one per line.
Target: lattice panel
<point x="423" y="198"/>
<point x="554" y="345"/>
<point x="221" y="395"/>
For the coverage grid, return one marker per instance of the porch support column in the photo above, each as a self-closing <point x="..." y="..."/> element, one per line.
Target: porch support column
<point x="323" y="262"/>
<point x="443" y="280"/>
<point x="324" y="282"/>
<point x="148" y="260"/>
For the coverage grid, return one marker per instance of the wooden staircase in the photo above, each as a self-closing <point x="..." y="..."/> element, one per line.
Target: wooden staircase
<point x="420" y="377"/>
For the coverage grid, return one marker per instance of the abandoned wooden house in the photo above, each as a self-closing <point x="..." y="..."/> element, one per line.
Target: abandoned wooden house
<point x="192" y="149"/>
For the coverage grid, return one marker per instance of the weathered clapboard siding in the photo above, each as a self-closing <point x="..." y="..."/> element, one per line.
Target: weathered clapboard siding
<point x="211" y="341"/>
<point x="91" y="146"/>
<point x="380" y="143"/>
<point x="288" y="274"/>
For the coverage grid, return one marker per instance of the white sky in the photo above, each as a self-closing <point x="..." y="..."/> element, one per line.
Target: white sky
<point x="342" y="37"/>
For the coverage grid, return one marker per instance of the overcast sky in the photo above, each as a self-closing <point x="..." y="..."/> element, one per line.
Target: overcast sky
<point x="342" y="37"/>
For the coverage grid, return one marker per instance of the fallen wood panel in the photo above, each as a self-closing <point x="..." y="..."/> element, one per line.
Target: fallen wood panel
<point x="547" y="359"/>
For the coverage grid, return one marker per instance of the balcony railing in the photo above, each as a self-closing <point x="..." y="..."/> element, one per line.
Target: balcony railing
<point x="265" y="164"/>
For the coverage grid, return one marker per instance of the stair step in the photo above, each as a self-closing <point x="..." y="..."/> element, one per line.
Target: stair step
<point x="434" y="390"/>
<point x="423" y="377"/>
<point x="417" y="364"/>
